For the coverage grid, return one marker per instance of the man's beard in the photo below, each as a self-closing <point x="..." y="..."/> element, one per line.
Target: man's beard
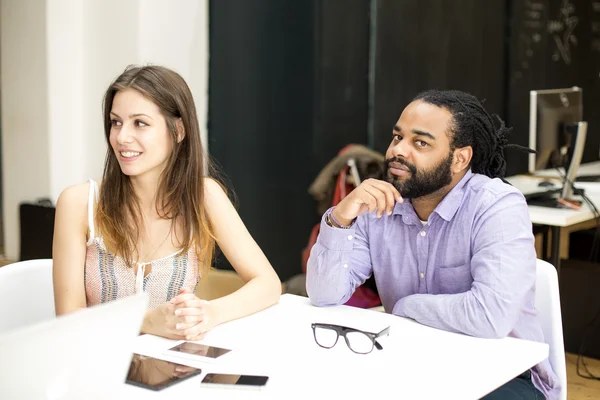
<point x="420" y="183"/>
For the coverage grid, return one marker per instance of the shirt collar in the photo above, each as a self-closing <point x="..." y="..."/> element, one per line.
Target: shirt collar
<point x="447" y="207"/>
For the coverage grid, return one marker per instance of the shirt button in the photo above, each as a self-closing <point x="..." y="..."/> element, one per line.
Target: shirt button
<point x="423" y="233"/>
<point x="422" y="275"/>
<point x="349" y="237"/>
<point x="345" y="265"/>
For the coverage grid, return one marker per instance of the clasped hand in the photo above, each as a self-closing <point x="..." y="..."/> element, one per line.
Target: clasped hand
<point x="186" y="316"/>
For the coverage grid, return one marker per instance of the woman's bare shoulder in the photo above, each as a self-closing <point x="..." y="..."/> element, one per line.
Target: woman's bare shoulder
<point x="75" y="195"/>
<point x="212" y="186"/>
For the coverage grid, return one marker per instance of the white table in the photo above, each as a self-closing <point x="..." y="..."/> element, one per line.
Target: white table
<point x="561" y="221"/>
<point x="417" y="362"/>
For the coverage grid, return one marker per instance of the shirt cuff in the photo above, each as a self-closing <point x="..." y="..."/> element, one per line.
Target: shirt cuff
<point x="336" y="238"/>
<point x="398" y="309"/>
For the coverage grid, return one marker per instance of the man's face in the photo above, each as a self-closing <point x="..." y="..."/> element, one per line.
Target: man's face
<point x="419" y="159"/>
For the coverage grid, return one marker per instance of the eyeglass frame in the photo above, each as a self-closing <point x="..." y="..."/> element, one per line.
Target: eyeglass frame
<point x="343" y="330"/>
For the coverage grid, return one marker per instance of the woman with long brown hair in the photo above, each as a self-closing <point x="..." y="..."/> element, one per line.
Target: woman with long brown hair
<point x="153" y="221"/>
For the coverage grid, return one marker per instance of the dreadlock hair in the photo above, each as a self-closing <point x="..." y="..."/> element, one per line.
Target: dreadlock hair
<point x="473" y="126"/>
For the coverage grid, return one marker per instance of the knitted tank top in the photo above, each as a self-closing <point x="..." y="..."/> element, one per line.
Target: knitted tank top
<point x="107" y="276"/>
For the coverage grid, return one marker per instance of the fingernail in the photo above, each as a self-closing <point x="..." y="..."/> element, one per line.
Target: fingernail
<point x="178" y="326"/>
<point x="389" y="213"/>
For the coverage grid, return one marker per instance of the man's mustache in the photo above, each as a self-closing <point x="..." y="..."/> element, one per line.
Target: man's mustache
<point x="411" y="167"/>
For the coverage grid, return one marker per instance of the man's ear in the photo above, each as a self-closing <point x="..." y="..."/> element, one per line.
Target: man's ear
<point x="180" y="130"/>
<point x="462" y="159"/>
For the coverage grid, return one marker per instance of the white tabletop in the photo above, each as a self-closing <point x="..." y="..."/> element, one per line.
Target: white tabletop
<point x="557" y="216"/>
<point x="417" y="362"/>
<point x="592" y="168"/>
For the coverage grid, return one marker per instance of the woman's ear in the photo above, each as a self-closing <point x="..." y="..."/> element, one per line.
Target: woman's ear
<point x="180" y="130"/>
<point x="462" y="159"/>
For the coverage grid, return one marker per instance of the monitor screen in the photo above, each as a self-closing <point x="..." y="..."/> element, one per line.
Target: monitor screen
<point x="553" y="115"/>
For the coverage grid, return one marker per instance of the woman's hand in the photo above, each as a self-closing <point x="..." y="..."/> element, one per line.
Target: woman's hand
<point x="162" y="321"/>
<point x="195" y="316"/>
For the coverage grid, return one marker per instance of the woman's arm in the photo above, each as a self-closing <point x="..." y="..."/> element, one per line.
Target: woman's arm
<point x="68" y="249"/>
<point x="263" y="287"/>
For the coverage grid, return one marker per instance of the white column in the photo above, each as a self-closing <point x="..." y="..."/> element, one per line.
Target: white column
<point x="65" y="69"/>
<point x="177" y="38"/>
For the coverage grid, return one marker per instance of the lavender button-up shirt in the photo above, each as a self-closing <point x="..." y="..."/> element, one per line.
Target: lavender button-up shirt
<point x="470" y="268"/>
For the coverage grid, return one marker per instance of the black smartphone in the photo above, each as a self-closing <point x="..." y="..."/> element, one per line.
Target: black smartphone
<point x="193" y="350"/>
<point x="235" y="381"/>
<point x="154" y="374"/>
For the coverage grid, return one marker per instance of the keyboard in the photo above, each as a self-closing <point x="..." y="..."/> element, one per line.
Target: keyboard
<point x="545" y="194"/>
<point x="588" y="178"/>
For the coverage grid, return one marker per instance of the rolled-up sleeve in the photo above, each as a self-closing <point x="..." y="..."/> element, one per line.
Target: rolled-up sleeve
<point x="339" y="262"/>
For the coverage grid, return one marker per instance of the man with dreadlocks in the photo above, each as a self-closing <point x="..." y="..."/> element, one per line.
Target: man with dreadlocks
<point x="449" y="243"/>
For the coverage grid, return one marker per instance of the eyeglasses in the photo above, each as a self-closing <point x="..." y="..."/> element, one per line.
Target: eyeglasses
<point x="361" y="342"/>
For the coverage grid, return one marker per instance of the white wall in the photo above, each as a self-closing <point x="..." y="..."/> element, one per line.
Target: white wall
<point x="25" y="141"/>
<point x="58" y="57"/>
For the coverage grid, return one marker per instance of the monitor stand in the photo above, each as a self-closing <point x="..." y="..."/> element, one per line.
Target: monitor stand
<point x="580" y="132"/>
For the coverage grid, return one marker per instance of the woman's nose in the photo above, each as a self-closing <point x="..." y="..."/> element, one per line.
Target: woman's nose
<point x="125" y="135"/>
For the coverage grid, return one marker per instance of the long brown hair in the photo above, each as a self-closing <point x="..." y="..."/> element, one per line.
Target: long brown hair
<point x="180" y="192"/>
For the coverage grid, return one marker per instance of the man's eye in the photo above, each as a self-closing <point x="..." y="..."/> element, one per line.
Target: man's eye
<point x="421" y="143"/>
<point x="397" y="138"/>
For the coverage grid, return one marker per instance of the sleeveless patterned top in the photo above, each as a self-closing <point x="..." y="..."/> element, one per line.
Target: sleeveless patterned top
<point x="108" y="278"/>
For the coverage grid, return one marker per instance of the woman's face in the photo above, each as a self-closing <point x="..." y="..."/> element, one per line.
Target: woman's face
<point x="139" y="135"/>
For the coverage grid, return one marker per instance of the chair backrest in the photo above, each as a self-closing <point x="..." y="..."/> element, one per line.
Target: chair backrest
<point x="26" y="293"/>
<point x="547" y="302"/>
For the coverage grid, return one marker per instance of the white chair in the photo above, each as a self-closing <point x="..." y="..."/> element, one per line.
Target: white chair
<point x="547" y="302"/>
<point x="26" y="293"/>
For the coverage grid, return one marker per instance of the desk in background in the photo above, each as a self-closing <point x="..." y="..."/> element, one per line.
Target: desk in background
<point x="416" y="361"/>
<point x="561" y="221"/>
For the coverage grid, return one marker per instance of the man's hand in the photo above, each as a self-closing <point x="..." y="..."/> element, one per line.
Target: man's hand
<point x="370" y="195"/>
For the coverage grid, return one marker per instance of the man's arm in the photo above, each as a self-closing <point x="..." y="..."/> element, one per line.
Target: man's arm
<point x="503" y="268"/>
<point x="339" y="262"/>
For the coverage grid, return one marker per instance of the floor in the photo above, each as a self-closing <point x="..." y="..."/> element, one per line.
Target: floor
<point x="579" y="388"/>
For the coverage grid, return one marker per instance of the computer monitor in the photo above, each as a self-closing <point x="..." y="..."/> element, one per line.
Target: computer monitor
<point x="557" y="132"/>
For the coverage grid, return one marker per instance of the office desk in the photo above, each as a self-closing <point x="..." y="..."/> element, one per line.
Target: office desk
<point x="561" y="221"/>
<point x="416" y="361"/>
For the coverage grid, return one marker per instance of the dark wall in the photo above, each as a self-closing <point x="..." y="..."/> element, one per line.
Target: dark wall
<point x="341" y="75"/>
<point x="553" y="45"/>
<point x="288" y="84"/>
<point x="291" y="84"/>
<point x="436" y="44"/>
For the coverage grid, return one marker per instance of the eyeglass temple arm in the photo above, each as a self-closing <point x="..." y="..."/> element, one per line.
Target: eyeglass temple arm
<point x="386" y="331"/>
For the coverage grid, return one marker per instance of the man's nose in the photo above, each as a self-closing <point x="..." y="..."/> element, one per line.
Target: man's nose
<point x="401" y="149"/>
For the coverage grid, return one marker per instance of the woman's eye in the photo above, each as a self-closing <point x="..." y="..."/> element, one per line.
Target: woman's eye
<point x="115" y="122"/>
<point x="397" y="138"/>
<point x="140" y="124"/>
